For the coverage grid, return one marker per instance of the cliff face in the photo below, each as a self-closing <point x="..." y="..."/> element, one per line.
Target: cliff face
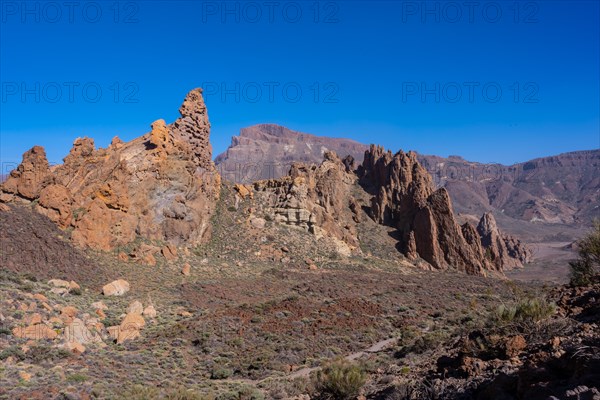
<point x="161" y="186"/>
<point x="317" y="199"/>
<point x="404" y="197"/>
<point x="267" y="151"/>
<point x="321" y="199"/>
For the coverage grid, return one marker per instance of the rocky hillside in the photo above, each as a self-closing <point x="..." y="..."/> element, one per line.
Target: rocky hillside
<point x="134" y="272"/>
<point x="562" y="189"/>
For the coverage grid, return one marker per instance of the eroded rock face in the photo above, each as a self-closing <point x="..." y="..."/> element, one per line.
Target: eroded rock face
<point x="404" y="197"/>
<point x="504" y="251"/>
<point x="30" y="176"/>
<point x="161" y="186"/>
<point x="315" y="198"/>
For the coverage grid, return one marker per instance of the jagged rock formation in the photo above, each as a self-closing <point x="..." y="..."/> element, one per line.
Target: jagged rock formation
<point x="320" y="199"/>
<point x="30" y="176"/>
<point x="404" y="197"/>
<point x="561" y="189"/>
<point x="504" y="251"/>
<point x="315" y="198"/>
<point x="161" y="186"/>
<point x="267" y="151"/>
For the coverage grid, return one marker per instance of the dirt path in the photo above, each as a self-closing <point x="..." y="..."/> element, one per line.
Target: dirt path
<point x="377" y="347"/>
<point x="305" y="372"/>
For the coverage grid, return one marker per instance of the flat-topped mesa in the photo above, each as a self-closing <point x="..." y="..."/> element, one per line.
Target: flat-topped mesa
<point x="161" y="186"/>
<point x="404" y="197"/>
<point x="267" y="151"/>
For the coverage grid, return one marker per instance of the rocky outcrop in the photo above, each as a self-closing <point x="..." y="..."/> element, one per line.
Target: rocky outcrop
<point x="504" y="251"/>
<point x="161" y="186"/>
<point x="404" y="197"/>
<point x="28" y="179"/>
<point x="315" y="198"/>
<point x="267" y="151"/>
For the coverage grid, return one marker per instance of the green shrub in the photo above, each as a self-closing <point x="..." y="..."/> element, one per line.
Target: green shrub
<point x="340" y="379"/>
<point x="13" y="351"/>
<point x="140" y="392"/>
<point x="581" y="272"/>
<point x="585" y="267"/>
<point x="41" y="353"/>
<point x="76" y="378"/>
<point x="76" y="292"/>
<point x="526" y="310"/>
<point x="220" y="373"/>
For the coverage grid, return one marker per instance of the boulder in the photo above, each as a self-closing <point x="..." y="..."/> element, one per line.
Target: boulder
<point x="258" y="223"/>
<point x="169" y="252"/>
<point x="130" y="327"/>
<point x="59" y="283"/>
<point x="33" y="319"/>
<point x="186" y="270"/>
<point x="135" y="307"/>
<point x="78" y="332"/>
<point x="116" y="288"/>
<point x="149" y="312"/>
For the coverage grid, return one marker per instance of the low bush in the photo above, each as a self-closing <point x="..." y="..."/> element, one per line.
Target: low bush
<point x="340" y="379"/>
<point x="526" y="310"/>
<point x="586" y="266"/>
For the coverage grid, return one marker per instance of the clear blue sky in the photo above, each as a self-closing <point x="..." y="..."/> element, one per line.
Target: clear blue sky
<point x="370" y="71"/>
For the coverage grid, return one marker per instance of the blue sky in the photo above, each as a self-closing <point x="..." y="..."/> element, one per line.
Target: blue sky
<point x="493" y="82"/>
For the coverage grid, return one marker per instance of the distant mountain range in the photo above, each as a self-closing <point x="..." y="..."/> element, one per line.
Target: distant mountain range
<point x="559" y="190"/>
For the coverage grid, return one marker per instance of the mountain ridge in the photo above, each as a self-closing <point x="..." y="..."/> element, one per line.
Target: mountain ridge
<point x="561" y="189"/>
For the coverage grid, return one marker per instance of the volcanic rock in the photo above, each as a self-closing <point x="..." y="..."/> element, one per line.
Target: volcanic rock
<point x="161" y="186"/>
<point x="30" y="176"/>
<point x="405" y="198"/>
<point x="35" y="332"/>
<point x="504" y="251"/>
<point x="116" y="288"/>
<point x="315" y="198"/>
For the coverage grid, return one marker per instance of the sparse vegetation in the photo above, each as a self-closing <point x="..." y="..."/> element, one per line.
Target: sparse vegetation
<point x="528" y="310"/>
<point x="340" y="379"/>
<point x="140" y="392"/>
